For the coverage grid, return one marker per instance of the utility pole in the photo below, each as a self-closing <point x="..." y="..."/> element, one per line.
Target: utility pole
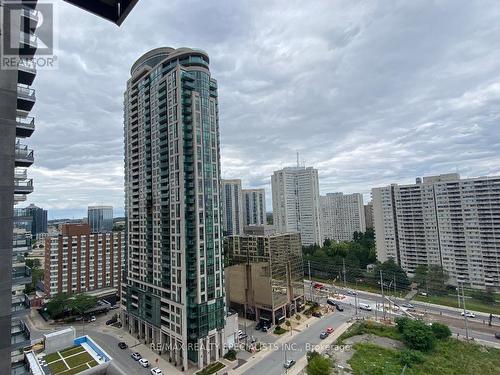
<point x="394" y="284"/>
<point x="458" y="295"/>
<point x="465" y="314"/>
<point x="343" y="269"/>
<point x="310" y="281"/>
<point x="382" y="288"/>
<point x="356" y="303"/>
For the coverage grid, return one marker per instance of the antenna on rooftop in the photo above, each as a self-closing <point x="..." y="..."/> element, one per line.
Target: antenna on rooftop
<point x="298" y="160"/>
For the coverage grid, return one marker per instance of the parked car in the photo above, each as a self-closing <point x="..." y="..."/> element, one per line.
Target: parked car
<point x="122" y="345"/>
<point x="111" y="321"/>
<point x="317" y="314"/>
<point x="144" y="362"/>
<point x="258" y="326"/>
<point x="91" y="319"/>
<point x="243" y="336"/>
<point x="136" y="356"/>
<point x="468" y="314"/>
<point x="318" y="286"/>
<point x="240" y="332"/>
<point x="265" y="328"/>
<point x="365" y="306"/>
<point x="156" y="371"/>
<point x="329" y="330"/>
<point x="497" y="335"/>
<point x="339" y="308"/>
<point x="114" y="307"/>
<point x="289" y="363"/>
<point x="323" y="335"/>
<point x="423" y="294"/>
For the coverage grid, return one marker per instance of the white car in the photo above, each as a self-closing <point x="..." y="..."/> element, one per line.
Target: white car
<point x="156" y="371"/>
<point x="365" y="306"/>
<point x="92" y="319"/>
<point x="468" y="314"/>
<point x="240" y="332"/>
<point x="144" y="362"/>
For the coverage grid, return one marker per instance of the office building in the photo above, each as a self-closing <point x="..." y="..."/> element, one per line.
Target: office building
<point x="39" y="220"/>
<point x="265" y="279"/>
<point x="254" y="207"/>
<point x="100" y="218"/>
<point x="258" y="230"/>
<point x="341" y="216"/>
<point x="79" y="261"/>
<point x="442" y="220"/>
<point x="174" y="292"/>
<point x="369" y="215"/>
<point x="232" y="207"/>
<point x="295" y="193"/>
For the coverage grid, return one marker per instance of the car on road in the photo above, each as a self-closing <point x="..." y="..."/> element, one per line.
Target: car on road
<point x="408" y="305"/>
<point x="240" y="332"/>
<point x="136" y="356"/>
<point x="365" y="306"/>
<point x="144" y="362"/>
<point x="497" y="335"/>
<point x="339" y="308"/>
<point x="156" y="371"/>
<point x="468" y="314"/>
<point x="318" y="286"/>
<point x="329" y="330"/>
<point x="258" y="326"/>
<point x="122" y="345"/>
<point x="265" y="328"/>
<point x="352" y="292"/>
<point x="243" y="336"/>
<point x="331" y="301"/>
<point x="317" y="314"/>
<point x="289" y="363"/>
<point x="111" y="321"/>
<point x="323" y="335"/>
<point x="114" y="307"/>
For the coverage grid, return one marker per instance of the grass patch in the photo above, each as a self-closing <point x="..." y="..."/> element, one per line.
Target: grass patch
<point x="364" y="327"/>
<point x="52" y="357"/>
<point x="211" y="369"/>
<point x="370" y="359"/>
<point x="470" y="304"/>
<point x="78" y="359"/>
<point x="75" y="349"/>
<point x="279" y="330"/>
<point x="57" y="367"/>
<point x="75" y="370"/>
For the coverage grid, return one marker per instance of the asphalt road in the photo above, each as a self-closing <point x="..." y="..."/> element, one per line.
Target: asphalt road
<point x="301" y="343"/>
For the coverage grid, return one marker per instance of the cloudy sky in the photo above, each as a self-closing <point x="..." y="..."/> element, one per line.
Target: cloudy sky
<point x="369" y="92"/>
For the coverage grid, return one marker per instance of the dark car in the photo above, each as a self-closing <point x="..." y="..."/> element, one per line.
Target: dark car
<point x="265" y="328"/>
<point x="111" y="321"/>
<point x="323" y="335"/>
<point x="258" y="326"/>
<point x="317" y="314"/>
<point x="122" y="345"/>
<point x="497" y="335"/>
<point x="339" y="308"/>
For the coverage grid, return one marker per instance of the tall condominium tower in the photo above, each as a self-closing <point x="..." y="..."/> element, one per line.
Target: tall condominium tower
<point x="100" y="218"/>
<point x="369" y="215"/>
<point x="232" y="207"/>
<point x="174" y="283"/>
<point x="39" y="219"/>
<point x="442" y="220"/>
<point x="296" y="203"/>
<point x="341" y="216"/>
<point x="254" y="207"/>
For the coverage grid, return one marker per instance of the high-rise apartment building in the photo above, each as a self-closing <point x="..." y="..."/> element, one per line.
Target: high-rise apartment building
<point x="369" y="215"/>
<point x="265" y="279"/>
<point x="39" y="219"/>
<point x="232" y="207"/>
<point x="17" y="24"/>
<point x="100" y="218"/>
<point x="79" y="261"/>
<point x="442" y="220"/>
<point x="341" y="216"/>
<point x="254" y="207"/>
<point x="174" y="284"/>
<point x="295" y="193"/>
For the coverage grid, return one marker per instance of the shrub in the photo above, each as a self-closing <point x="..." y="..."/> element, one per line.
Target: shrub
<point x="230" y="355"/>
<point x="279" y="330"/>
<point x="317" y="364"/>
<point x="401" y="323"/>
<point x="441" y="331"/>
<point x="418" y="336"/>
<point x="411" y="357"/>
<point x="287" y="323"/>
<point x="298" y="317"/>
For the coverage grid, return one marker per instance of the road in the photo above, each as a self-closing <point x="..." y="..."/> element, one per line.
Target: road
<point x="301" y="343"/>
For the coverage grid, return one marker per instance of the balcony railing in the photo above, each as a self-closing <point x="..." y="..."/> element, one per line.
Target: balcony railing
<point x="20" y="303"/>
<point x="26" y="93"/>
<point x="27" y="65"/>
<point x="30" y="13"/>
<point x="24" y="155"/>
<point x="28" y="39"/>
<point x="20" y="174"/>
<point x="25" y="126"/>
<point x="23" y="186"/>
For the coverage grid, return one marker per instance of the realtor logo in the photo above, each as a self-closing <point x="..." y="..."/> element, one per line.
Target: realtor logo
<point x="27" y="30"/>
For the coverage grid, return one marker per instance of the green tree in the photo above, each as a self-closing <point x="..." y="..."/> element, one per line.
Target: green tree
<point x="437" y="278"/>
<point x="57" y="306"/>
<point x="82" y="302"/>
<point x="318" y="365"/>
<point x="33" y="263"/>
<point x="420" y="276"/>
<point x="441" y="331"/>
<point x="392" y="272"/>
<point x="418" y="336"/>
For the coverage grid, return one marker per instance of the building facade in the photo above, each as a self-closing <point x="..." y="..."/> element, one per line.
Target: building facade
<point x="232" y="207"/>
<point x="174" y="286"/>
<point x="100" y="218"/>
<point x="254" y="207"/>
<point x="369" y="215"/>
<point x="341" y="216"/>
<point x="442" y="220"/>
<point x="265" y="279"/>
<point x="39" y="220"/>
<point x="79" y="261"/>
<point x="295" y="193"/>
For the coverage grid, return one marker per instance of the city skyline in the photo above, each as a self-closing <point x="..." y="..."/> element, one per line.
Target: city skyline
<point x="404" y="130"/>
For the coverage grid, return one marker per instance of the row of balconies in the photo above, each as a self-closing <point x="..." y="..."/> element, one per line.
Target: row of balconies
<point x="20" y="335"/>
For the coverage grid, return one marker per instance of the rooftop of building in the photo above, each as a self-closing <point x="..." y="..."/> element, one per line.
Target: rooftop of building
<point x="112" y="10"/>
